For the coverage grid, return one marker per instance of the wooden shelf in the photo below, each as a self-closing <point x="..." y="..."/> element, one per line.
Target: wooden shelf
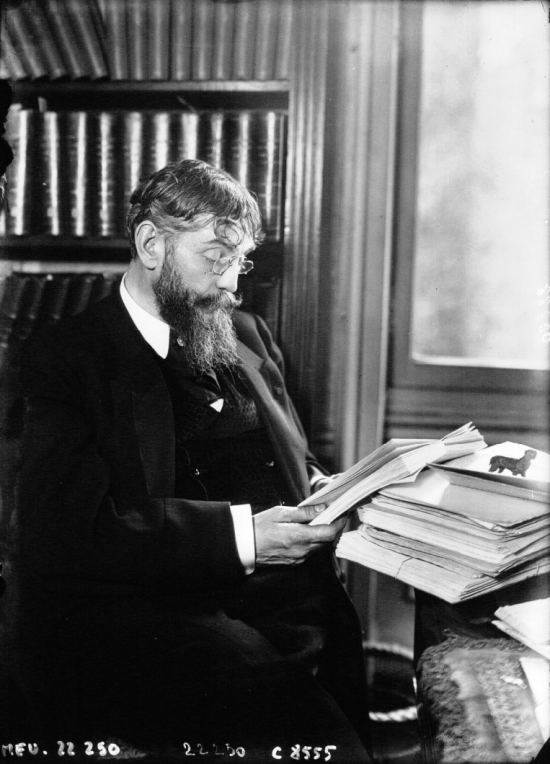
<point x="24" y="242"/>
<point x="44" y="88"/>
<point x="63" y="242"/>
<point x="61" y="248"/>
<point x="126" y="94"/>
<point x="66" y="249"/>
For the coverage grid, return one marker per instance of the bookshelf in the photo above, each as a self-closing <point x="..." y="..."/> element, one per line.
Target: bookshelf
<point x="313" y="282"/>
<point x="71" y="88"/>
<point x="273" y="60"/>
<point x="105" y="93"/>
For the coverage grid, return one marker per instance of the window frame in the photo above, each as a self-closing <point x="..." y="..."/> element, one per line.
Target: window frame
<point x="406" y="369"/>
<point x="507" y="398"/>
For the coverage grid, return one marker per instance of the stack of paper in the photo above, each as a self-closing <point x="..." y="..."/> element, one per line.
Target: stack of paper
<point x="397" y="461"/>
<point x="457" y="541"/>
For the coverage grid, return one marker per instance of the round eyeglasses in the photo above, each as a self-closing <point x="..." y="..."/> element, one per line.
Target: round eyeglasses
<point x="223" y="262"/>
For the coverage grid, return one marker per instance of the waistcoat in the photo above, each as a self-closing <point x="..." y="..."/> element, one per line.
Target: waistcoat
<point x="220" y="455"/>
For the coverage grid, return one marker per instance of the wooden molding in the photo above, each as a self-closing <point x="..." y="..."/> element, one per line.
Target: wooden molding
<point x="356" y="250"/>
<point x="499" y="416"/>
<point x="299" y="324"/>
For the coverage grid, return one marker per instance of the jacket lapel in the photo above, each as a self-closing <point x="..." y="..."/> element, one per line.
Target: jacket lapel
<point x="288" y="445"/>
<point x="145" y="414"/>
<point x="142" y="404"/>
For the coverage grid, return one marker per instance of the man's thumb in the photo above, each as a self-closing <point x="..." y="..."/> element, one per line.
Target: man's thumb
<point x="312" y="510"/>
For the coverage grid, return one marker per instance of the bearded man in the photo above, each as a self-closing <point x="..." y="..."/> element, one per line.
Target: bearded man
<point x="170" y="591"/>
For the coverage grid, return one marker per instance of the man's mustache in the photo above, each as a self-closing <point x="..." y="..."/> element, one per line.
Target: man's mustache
<point x="220" y="300"/>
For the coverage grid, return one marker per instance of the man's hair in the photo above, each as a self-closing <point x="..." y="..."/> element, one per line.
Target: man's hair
<point x="179" y="196"/>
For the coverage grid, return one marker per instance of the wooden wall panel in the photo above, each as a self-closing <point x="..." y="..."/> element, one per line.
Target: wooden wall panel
<point x="336" y="281"/>
<point x="300" y="298"/>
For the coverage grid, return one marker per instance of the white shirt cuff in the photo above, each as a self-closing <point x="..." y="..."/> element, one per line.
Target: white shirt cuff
<point x="244" y="535"/>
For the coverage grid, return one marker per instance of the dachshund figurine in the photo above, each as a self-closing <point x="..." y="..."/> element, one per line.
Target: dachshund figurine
<point x="516" y="466"/>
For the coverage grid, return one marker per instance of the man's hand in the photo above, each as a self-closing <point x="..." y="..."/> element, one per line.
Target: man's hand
<point x="283" y="536"/>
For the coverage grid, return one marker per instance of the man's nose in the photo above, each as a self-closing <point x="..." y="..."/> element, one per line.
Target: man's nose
<point x="230" y="279"/>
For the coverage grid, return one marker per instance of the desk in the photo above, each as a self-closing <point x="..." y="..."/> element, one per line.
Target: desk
<point x="474" y="702"/>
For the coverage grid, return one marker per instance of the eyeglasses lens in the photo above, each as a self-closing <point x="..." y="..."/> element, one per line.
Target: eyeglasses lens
<point x="223" y="264"/>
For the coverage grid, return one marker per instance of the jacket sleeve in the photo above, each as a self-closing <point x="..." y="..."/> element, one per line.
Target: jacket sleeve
<point x="74" y="520"/>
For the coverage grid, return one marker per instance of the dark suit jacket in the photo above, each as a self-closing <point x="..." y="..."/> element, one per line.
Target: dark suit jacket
<point x="113" y="570"/>
<point x="97" y="508"/>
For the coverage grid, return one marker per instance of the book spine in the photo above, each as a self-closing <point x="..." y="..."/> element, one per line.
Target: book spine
<point x="263" y="297"/>
<point x="79" y="293"/>
<point x="158" y="142"/>
<point x="283" y="45"/>
<point x="132" y="152"/>
<point x="202" y="39"/>
<point x="50" y="182"/>
<point x="14" y="65"/>
<point x="106" y="221"/>
<point x="265" y="40"/>
<point x="96" y="16"/>
<point x="237" y="145"/>
<point x="38" y="24"/>
<point x="211" y="137"/>
<point x="184" y="135"/>
<point x="114" y="16"/>
<point x="159" y="39"/>
<point x="4" y="284"/>
<point x="10" y="308"/>
<point x="136" y="25"/>
<point x="181" y="17"/>
<point x="56" y="289"/>
<point x="86" y="37"/>
<point x="28" y="310"/>
<point x="25" y="43"/>
<point x="76" y="172"/>
<point x="222" y="53"/>
<point x="12" y="136"/>
<point x="64" y="39"/>
<point x="103" y="6"/>
<point x="104" y="285"/>
<point x="268" y="139"/>
<point x="20" y="174"/>
<point x="243" y="47"/>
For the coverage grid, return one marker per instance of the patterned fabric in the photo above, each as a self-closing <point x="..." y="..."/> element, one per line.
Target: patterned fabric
<point x="225" y="455"/>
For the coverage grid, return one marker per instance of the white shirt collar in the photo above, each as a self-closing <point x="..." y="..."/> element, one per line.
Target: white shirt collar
<point x="154" y="331"/>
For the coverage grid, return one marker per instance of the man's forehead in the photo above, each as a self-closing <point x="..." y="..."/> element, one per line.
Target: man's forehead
<point x="233" y="235"/>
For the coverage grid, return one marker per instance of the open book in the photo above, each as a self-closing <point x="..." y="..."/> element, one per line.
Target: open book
<point x="509" y="469"/>
<point x="456" y="541"/>
<point x="397" y="461"/>
<point x="432" y="495"/>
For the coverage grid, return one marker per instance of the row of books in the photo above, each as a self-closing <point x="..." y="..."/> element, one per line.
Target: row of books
<point x="460" y="529"/>
<point x="30" y="300"/>
<point x="74" y="171"/>
<point x="145" y="40"/>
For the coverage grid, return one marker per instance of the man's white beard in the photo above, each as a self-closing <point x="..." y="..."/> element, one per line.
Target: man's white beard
<point x="204" y="323"/>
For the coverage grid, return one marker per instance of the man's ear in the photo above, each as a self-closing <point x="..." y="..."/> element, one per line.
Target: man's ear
<point x="149" y="245"/>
